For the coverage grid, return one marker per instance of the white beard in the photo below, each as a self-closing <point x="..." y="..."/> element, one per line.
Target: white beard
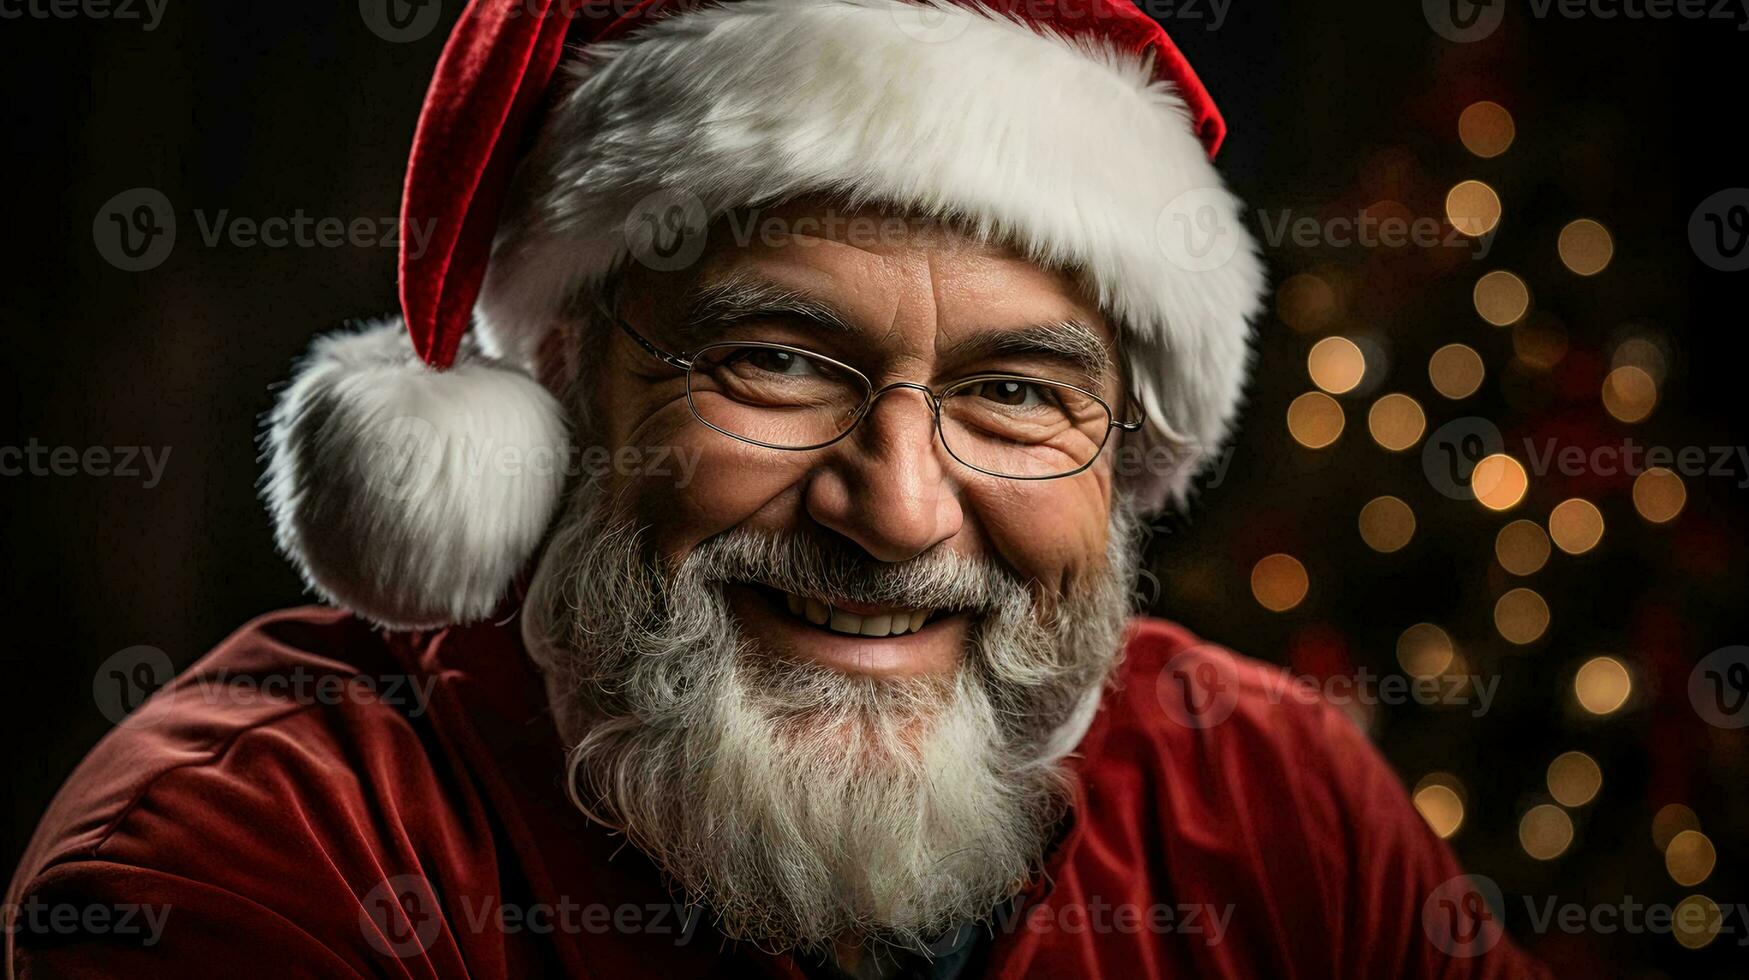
<point x="803" y="806"/>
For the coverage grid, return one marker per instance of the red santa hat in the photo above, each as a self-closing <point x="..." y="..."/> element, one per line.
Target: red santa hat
<point x="403" y="460"/>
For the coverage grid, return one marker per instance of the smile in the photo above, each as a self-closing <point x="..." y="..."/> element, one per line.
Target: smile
<point x="870" y="620"/>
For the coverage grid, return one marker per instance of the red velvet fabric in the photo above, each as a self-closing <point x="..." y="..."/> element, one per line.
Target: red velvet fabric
<point x="280" y="831"/>
<point x="491" y="82"/>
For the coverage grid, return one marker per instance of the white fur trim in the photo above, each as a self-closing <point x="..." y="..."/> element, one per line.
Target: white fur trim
<point x="1067" y="149"/>
<point x="411" y="497"/>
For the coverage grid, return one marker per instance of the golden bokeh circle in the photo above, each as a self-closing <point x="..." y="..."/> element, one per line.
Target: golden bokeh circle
<point x="1501" y="298"/>
<point x="1279" y="582"/>
<point x="1659" y="495"/>
<point x="1545" y="831"/>
<point x="1456" y="371"/>
<point x="1521" y="616"/>
<point x="1670" y="820"/>
<point x="1336" y="364"/>
<point x="1521" y="547"/>
<point x="1486" y="129"/>
<point x="1473" y="208"/>
<point x="1690" y="857"/>
<point x="1602" y="685"/>
<point x="1396" y="422"/>
<point x="1642" y="353"/>
<point x="1441" y="807"/>
<point x="1539" y="341"/>
<point x="1424" y="650"/>
<point x="1499" y="482"/>
<point x="1696" y="921"/>
<point x="1585" y="247"/>
<point x="1576" y="525"/>
<point x="1574" y="778"/>
<point x="1386" y="524"/>
<point x="1629" y="393"/>
<point x="1305" y="302"/>
<point x="1314" y="420"/>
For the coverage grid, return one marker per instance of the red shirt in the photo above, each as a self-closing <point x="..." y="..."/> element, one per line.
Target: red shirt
<point x="317" y="798"/>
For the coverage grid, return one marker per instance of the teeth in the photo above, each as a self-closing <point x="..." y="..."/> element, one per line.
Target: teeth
<point x="895" y="623"/>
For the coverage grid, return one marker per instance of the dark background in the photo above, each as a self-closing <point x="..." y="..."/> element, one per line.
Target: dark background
<point x="268" y="109"/>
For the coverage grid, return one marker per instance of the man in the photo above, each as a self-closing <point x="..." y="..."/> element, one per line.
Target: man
<point x="748" y="592"/>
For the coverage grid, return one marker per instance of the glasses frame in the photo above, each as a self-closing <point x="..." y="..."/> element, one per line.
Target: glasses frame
<point x="686" y="361"/>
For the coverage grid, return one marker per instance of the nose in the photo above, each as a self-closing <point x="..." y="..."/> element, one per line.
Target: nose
<point x="887" y="486"/>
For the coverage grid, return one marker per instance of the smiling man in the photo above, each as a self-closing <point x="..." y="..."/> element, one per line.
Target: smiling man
<point x="938" y="303"/>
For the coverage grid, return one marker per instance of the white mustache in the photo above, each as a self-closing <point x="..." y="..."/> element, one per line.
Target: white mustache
<point x="808" y="564"/>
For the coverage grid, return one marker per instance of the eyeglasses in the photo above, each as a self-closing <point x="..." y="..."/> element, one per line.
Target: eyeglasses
<point x="789" y="398"/>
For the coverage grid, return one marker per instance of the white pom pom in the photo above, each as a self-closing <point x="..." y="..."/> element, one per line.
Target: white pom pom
<point x="410" y="496"/>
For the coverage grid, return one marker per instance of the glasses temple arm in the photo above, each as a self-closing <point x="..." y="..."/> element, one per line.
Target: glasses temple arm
<point x="658" y="353"/>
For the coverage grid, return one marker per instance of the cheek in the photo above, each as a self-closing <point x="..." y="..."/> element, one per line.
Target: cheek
<point x="1054" y="531"/>
<point x="713" y="483"/>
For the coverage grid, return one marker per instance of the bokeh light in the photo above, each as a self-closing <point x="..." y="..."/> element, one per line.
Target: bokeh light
<point x="1336" y="364"/>
<point x="1629" y="393"/>
<point x="1574" y="778"/>
<point x="1585" y="247"/>
<point x="1643" y="353"/>
<point x="1473" y="208"/>
<point x="1424" y="650"/>
<point x="1521" y="547"/>
<point x="1314" y="420"/>
<point x="1659" y="495"/>
<point x="1696" y="921"/>
<point x="1486" y="129"/>
<point x="1576" y="526"/>
<point x="1499" y="482"/>
<point x="1386" y="524"/>
<point x="1602" y="685"/>
<point x="1690" y="857"/>
<point x="1521" y="616"/>
<point x="1439" y="798"/>
<point x="1545" y="831"/>
<point x="1396" y="422"/>
<point x="1670" y="820"/>
<point x="1456" y="371"/>
<point x="1501" y="298"/>
<point x="1279" y="582"/>
<point x="1306" y="302"/>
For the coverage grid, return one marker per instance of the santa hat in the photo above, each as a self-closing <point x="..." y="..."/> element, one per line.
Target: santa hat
<point x="404" y="470"/>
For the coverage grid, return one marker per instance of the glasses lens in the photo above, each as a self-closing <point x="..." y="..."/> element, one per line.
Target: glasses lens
<point x="775" y="395"/>
<point x="1023" y="427"/>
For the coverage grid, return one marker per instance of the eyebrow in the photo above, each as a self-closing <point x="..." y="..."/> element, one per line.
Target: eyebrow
<point x="737" y="299"/>
<point x="1068" y="342"/>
